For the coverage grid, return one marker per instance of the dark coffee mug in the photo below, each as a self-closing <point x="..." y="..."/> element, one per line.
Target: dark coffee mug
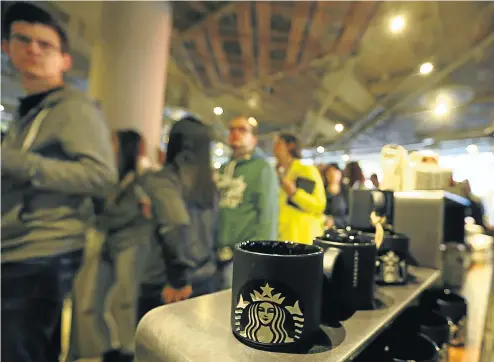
<point x="277" y="292"/>
<point x="420" y="320"/>
<point x="391" y="264"/>
<point x="451" y="306"/>
<point x="402" y="347"/>
<point x="416" y="348"/>
<point x="359" y="259"/>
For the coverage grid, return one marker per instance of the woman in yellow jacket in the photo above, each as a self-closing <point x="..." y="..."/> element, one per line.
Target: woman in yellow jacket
<point x="302" y="196"/>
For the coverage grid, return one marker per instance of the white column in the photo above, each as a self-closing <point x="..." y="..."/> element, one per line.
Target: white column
<point x="129" y="66"/>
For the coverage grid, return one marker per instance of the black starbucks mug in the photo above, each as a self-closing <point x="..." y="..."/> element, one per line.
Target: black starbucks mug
<point x="359" y="259"/>
<point x="277" y="292"/>
<point x="416" y="320"/>
<point x="392" y="263"/>
<point x="416" y="348"/>
<point x="451" y="306"/>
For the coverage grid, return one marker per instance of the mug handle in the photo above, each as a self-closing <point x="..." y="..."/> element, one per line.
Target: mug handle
<point x="333" y="308"/>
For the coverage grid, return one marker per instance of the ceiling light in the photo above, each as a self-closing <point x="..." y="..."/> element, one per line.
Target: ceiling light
<point x="218" y="111"/>
<point x="426" y="68"/>
<point x="320" y="149"/>
<point x="397" y="24"/>
<point x="1" y="108"/>
<point x="428" y="141"/>
<point x="252" y="121"/>
<point x="217" y="165"/>
<point x="345" y="158"/>
<point x="219" y="152"/>
<point x="441" y="109"/>
<point x="339" y="127"/>
<point x="473" y="148"/>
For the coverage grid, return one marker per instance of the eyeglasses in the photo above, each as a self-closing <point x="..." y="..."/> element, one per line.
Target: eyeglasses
<point x="25" y="40"/>
<point x="242" y="130"/>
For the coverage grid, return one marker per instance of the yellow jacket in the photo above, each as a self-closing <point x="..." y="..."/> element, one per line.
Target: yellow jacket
<point x="301" y="216"/>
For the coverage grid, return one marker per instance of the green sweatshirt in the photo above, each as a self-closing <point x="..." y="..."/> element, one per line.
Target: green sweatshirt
<point x="248" y="207"/>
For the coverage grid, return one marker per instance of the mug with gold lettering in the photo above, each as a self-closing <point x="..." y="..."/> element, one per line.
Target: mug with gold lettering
<point x="277" y="292"/>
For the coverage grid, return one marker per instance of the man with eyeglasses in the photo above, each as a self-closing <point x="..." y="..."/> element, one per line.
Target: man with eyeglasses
<point x="56" y="160"/>
<point x="248" y="187"/>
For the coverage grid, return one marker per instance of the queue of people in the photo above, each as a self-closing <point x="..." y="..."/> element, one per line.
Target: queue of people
<point x="81" y="218"/>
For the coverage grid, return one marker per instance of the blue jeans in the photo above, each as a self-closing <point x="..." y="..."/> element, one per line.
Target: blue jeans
<point x="32" y="300"/>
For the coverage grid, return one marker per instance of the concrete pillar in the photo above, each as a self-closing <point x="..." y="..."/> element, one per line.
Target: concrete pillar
<point x="129" y="66"/>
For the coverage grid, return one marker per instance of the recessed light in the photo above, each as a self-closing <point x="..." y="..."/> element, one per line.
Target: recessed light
<point x="345" y="158"/>
<point x="397" y="24"/>
<point x="339" y="127"/>
<point x="217" y="165"/>
<point x="473" y="148"/>
<point x="426" y="68"/>
<point x="252" y="121"/>
<point x="218" y="111"/>
<point x="219" y="152"/>
<point x="441" y="109"/>
<point x="320" y="149"/>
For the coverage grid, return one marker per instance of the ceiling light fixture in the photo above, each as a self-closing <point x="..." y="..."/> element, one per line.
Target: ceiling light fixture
<point x="426" y="68"/>
<point x="473" y="148"/>
<point x="339" y="127"/>
<point x="217" y="165"/>
<point x="252" y="121"/>
<point x="441" y="109"/>
<point x="219" y="152"/>
<point x="345" y="158"/>
<point x="397" y="24"/>
<point x="218" y="111"/>
<point x="320" y="149"/>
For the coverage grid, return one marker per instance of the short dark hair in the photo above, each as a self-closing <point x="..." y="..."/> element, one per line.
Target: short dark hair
<point x="334" y="165"/>
<point x="30" y="13"/>
<point x="291" y="139"/>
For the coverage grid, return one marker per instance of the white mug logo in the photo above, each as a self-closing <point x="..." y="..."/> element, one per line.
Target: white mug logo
<point x="268" y="320"/>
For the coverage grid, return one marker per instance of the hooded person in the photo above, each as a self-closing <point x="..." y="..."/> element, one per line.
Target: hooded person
<point x="133" y="213"/>
<point x="186" y="182"/>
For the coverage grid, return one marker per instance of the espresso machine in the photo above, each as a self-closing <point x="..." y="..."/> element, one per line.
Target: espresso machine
<point x="428" y="218"/>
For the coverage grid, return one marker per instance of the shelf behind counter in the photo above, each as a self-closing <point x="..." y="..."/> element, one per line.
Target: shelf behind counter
<point x="199" y="329"/>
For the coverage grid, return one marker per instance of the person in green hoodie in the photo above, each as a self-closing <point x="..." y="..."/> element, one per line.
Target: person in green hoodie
<point x="249" y="188"/>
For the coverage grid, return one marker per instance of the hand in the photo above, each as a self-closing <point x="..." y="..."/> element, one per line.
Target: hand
<point x="14" y="164"/>
<point x="288" y="186"/>
<point x="329" y="222"/>
<point x="171" y="295"/>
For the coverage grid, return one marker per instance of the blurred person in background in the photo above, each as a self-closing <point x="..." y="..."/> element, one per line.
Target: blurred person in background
<point x="476" y="209"/>
<point x="191" y="197"/>
<point x="114" y="264"/>
<point x="302" y="198"/>
<point x="353" y="177"/>
<point x="375" y="181"/>
<point x="336" y="205"/>
<point x="248" y="187"/>
<point x="56" y="162"/>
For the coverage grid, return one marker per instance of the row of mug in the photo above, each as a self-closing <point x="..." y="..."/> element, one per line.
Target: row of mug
<point x="423" y="333"/>
<point x="283" y="291"/>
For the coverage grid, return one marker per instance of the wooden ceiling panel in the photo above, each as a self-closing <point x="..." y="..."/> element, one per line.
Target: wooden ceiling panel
<point x="263" y="16"/>
<point x="300" y="18"/>
<point x="244" y="12"/>
<point x="219" y="52"/>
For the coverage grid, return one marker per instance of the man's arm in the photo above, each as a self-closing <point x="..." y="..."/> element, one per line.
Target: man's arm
<point x="85" y="137"/>
<point x="268" y="205"/>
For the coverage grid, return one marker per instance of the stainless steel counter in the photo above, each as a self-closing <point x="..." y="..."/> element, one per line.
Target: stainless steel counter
<point x="199" y="329"/>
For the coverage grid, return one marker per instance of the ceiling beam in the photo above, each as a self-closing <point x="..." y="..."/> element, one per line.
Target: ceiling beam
<point x="247" y="42"/>
<point x="197" y="28"/>
<point x="263" y="12"/>
<point x="219" y="51"/>
<point x="300" y="17"/>
<point x="378" y="114"/>
<point x="206" y="58"/>
<point x="357" y="21"/>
